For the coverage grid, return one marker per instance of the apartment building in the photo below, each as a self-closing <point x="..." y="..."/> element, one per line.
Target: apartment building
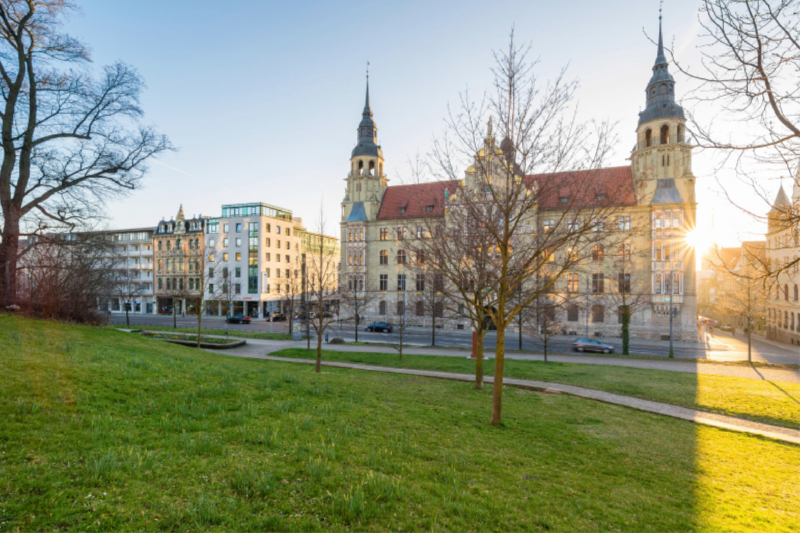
<point x="783" y="252"/>
<point x="133" y="249"/>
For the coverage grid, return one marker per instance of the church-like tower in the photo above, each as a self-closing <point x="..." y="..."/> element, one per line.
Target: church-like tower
<point x="661" y="164"/>
<point x="366" y="185"/>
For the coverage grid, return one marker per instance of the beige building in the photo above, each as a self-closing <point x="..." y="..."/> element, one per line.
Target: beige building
<point x="655" y="204"/>
<point x="783" y="252"/>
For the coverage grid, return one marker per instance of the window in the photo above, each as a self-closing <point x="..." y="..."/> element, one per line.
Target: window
<point x="159" y="246"/>
<point x="401" y="282"/>
<point x="598" y="313"/>
<point x="648" y="138"/>
<point x="382" y="308"/>
<point x="625" y="252"/>
<point x="563" y="199"/>
<point x="288" y="245"/>
<point x="429" y="209"/>
<point x="238" y="242"/>
<point x="657" y="284"/>
<point x="279" y="245"/>
<point x="288" y="232"/>
<point x="402" y="210"/>
<point x="225" y="228"/>
<point x="548" y="226"/>
<point x="278" y="230"/>
<point x="421" y="233"/>
<point x="238" y="256"/>
<point x="624" y="224"/>
<point x="420" y="308"/>
<point x="597" y="284"/>
<point x="211" y="288"/>
<point x="796" y="292"/>
<point x="268" y="243"/>
<point x="384" y="283"/>
<point x="212" y="243"/>
<point x="237" y="288"/>
<point x="267" y="256"/>
<point x="598" y="253"/>
<point x="420" y="283"/>
<point x="268" y="228"/>
<point x="266" y="272"/>
<point x="287" y="259"/>
<point x="438" y="282"/>
<point x="572" y="313"/>
<point x="401" y="308"/>
<point x="384" y="257"/>
<point x="277" y="272"/>
<point x="225" y="257"/>
<point x="624" y="281"/>
<point x="225" y="242"/>
<point x="598" y="224"/>
<point x="438" y="309"/>
<point x="160" y="285"/>
<point x="401" y="257"/>
<point x="664" y="134"/>
<point x="401" y="233"/>
<point x="169" y="245"/>
<point x="238" y="273"/>
<point x="384" y="234"/>
<point x="210" y="272"/>
<point x="287" y="273"/>
<point x="572" y="283"/>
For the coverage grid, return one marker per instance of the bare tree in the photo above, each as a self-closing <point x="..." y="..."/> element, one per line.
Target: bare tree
<point x="321" y="268"/>
<point x="530" y="197"/>
<point x="401" y="324"/>
<point x="70" y="141"/>
<point x="222" y="280"/>
<point x="290" y="288"/>
<point x="67" y="276"/>
<point x="127" y="288"/>
<point x="749" y="74"/>
<point x="428" y="299"/>
<point x="356" y="297"/>
<point x="206" y="267"/>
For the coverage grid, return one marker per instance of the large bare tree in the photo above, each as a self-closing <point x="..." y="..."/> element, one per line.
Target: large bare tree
<point x="321" y="267"/>
<point x="529" y="197"/>
<point x="70" y="140"/>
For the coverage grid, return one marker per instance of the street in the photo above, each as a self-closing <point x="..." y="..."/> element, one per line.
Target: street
<point x="722" y="346"/>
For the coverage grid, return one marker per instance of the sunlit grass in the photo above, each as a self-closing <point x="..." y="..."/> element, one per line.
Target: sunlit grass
<point x="102" y="430"/>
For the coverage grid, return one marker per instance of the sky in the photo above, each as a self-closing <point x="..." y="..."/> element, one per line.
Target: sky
<point x="262" y="98"/>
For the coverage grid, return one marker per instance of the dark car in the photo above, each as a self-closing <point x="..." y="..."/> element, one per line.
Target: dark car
<point x="379" y="327"/>
<point x="238" y="319"/>
<point x="590" y="345"/>
<point x="279" y="318"/>
<point x="327" y="314"/>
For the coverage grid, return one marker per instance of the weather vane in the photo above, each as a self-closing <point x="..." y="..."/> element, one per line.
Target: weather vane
<point x="660" y="6"/>
<point x="368" y="69"/>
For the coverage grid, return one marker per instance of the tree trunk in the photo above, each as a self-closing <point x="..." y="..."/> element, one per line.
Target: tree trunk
<point x="127" y="318"/>
<point x="356" y="323"/>
<point x="433" y="328"/>
<point x="199" y="321"/>
<point x="9" y="246"/>
<point x="626" y="335"/>
<point x="479" y="359"/>
<point x="319" y="347"/>
<point x="174" y="315"/>
<point x="545" y="339"/>
<point x="499" y="360"/>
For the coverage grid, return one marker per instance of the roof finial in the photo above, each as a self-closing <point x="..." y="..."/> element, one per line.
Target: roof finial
<point x="661" y="59"/>
<point x="366" y="105"/>
<point x="489" y="129"/>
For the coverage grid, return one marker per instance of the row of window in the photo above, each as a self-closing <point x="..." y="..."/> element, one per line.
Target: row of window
<point x="788" y="319"/>
<point x="664" y="131"/>
<point x="214" y="228"/>
<point x="193" y="244"/>
<point x="667" y="251"/>
<point x="785" y="291"/>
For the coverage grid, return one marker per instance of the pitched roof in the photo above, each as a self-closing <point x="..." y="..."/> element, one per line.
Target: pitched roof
<point x="413" y="201"/>
<point x="357" y="213"/>
<point x="583" y="188"/>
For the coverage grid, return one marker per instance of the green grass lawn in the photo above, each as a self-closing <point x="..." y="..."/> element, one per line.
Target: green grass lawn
<point x="764" y="401"/>
<point x="233" y="332"/>
<point x="102" y="430"/>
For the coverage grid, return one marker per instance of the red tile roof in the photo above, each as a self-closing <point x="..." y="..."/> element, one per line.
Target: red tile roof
<point x="414" y="200"/>
<point x="582" y="188"/>
<point x="615" y="184"/>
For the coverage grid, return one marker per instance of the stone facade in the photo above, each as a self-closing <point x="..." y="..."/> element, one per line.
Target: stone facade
<point x="654" y="215"/>
<point x="783" y="252"/>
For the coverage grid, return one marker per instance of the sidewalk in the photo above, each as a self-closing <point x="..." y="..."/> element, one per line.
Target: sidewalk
<point x="259" y="349"/>
<point x="700" y="417"/>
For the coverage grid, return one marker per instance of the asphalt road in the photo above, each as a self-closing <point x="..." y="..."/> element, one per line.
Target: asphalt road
<point x="724" y="347"/>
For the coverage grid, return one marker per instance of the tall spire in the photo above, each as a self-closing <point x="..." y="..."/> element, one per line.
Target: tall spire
<point x="367" y="109"/>
<point x="661" y="59"/>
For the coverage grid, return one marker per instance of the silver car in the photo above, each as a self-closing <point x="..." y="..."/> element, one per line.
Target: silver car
<point x="590" y="345"/>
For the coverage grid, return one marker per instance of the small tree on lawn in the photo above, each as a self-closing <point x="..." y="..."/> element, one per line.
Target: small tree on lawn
<point x="127" y="287"/>
<point x="290" y="288"/>
<point x="321" y="285"/>
<point x="400" y="324"/>
<point x="357" y="297"/>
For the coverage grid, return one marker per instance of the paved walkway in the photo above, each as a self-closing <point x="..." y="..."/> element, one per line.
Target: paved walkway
<point x="258" y="348"/>
<point x="692" y="415"/>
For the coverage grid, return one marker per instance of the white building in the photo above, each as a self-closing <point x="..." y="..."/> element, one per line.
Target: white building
<point x="134" y="253"/>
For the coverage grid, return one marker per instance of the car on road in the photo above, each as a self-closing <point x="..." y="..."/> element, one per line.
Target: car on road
<point x="379" y="327"/>
<point x="726" y="327"/>
<point x="279" y="318"/>
<point x="591" y="345"/>
<point x="238" y="319"/>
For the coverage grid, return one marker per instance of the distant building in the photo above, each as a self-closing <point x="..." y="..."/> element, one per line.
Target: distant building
<point x="178" y="244"/>
<point x="783" y="248"/>
<point x="134" y="254"/>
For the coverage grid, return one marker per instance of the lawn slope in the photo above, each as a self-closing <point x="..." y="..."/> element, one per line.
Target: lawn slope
<point x="106" y="431"/>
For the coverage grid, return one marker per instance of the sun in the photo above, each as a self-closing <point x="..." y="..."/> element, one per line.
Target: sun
<point x="699" y="239"/>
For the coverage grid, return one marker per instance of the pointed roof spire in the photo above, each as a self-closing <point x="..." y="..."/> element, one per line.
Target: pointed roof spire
<point x="367" y="109"/>
<point x="781" y="203"/>
<point x="180" y="213"/>
<point x="661" y="59"/>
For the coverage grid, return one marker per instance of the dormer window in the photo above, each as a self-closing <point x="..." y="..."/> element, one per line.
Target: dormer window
<point x="402" y="210"/>
<point x="600" y="198"/>
<point x="563" y="199"/>
<point x="429" y="209"/>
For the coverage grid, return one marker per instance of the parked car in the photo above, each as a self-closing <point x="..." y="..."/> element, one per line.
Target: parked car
<point x="726" y="327"/>
<point x="380" y="327"/>
<point x="590" y="345"/>
<point x="238" y="319"/>
<point x="279" y="318"/>
<point x="327" y="314"/>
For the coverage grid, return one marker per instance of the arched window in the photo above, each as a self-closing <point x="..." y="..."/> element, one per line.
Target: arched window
<point x="401" y="257"/>
<point x="598" y="252"/>
<point x="360" y="167"/>
<point x="786" y="320"/>
<point x="384" y="234"/>
<point x="177" y="244"/>
<point x="372" y="168"/>
<point x="648" y="138"/>
<point x="664" y="134"/>
<point x="169" y="245"/>
<point x="384" y="257"/>
<point x="680" y="134"/>
<point x="796" y="295"/>
<point x="159" y="246"/>
<point x="786" y="292"/>
<point x="382" y="308"/>
<point x="791" y="324"/>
